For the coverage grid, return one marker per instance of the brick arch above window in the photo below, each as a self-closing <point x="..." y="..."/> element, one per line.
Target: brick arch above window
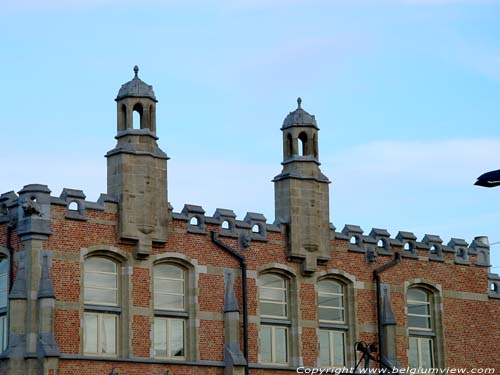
<point x="112" y="252"/>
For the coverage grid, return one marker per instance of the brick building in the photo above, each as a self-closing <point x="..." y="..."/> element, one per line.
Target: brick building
<point x="128" y="283"/>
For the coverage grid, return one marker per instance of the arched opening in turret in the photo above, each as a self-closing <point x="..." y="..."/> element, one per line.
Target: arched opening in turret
<point x="137" y="116"/>
<point x="303" y="149"/>
<point x="289" y="146"/>
<point x="122" y="119"/>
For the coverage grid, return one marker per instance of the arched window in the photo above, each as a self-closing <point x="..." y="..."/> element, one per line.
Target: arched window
<point x="332" y="322"/>
<point x="170" y="311"/>
<point x="274" y="314"/>
<point x="4" y="288"/>
<point x="101" y="305"/>
<point x="303" y="148"/>
<point x="421" y="328"/>
<point x="137" y="116"/>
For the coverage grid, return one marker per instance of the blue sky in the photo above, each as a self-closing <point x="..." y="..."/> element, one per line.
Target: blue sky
<point x="406" y="93"/>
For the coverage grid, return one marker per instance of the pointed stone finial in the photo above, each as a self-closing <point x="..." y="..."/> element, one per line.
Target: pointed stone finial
<point x="136" y="71"/>
<point x="46" y="289"/>
<point x="299" y="102"/>
<point x="387" y="314"/>
<point x="230" y="301"/>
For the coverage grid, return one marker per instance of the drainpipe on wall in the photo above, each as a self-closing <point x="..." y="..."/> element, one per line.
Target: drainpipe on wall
<point x="376" y="276"/>
<point x="243" y="264"/>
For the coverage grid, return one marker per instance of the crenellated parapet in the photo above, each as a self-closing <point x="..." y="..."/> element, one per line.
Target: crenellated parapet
<point x="379" y="242"/>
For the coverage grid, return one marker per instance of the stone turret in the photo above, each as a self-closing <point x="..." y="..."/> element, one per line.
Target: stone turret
<point x="301" y="192"/>
<point x="137" y="169"/>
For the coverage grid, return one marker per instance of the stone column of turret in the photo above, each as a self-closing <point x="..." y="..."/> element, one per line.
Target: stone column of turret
<point x="33" y="229"/>
<point x="389" y="330"/>
<point x="233" y="358"/>
<point x="137" y="169"/>
<point x="301" y="192"/>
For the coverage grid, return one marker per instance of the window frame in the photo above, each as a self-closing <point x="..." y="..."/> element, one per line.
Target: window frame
<point x="334" y="326"/>
<point x="433" y="333"/>
<point x="168" y="320"/>
<point x="273" y="344"/>
<point x="102" y="309"/>
<point x="172" y="313"/>
<point x="331" y="348"/>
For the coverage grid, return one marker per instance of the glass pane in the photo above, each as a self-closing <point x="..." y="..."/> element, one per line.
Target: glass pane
<point x="169" y="302"/>
<point x="421" y="322"/>
<point x="330" y="286"/>
<point x="90" y="333"/>
<point x="274" y="281"/>
<point x="273" y="294"/>
<point x="336" y="315"/>
<point x="273" y="309"/>
<point x="4" y="266"/>
<point x="426" y="353"/>
<point x="330" y="300"/>
<point x="419" y="309"/>
<point x="3" y="298"/>
<point x="108" y="334"/>
<point x="265" y="344"/>
<point x="415" y="294"/>
<point x="100" y="264"/>
<point x="169" y="286"/>
<point x="413" y="360"/>
<point x="176" y="338"/>
<point x="169" y="270"/>
<point x="160" y="337"/>
<point x="324" y="348"/>
<point x="101" y="296"/>
<point x="281" y="345"/>
<point x="103" y="280"/>
<point x="338" y="348"/>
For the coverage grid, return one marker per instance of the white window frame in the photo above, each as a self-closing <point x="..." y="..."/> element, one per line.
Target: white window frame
<point x="419" y="334"/>
<point x="333" y="307"/>
<point x="170" y="314"/>
<point x="284" y="290"/>
<point x="100" y="317"/>
<point x="419" y="350"/>
<point x="90" y="302"/>
<point x="168" y="337"/>
<point x="427" y="303"/>
<point x="183" y="294"/>
<point x="331" y="350"/>
<point x="273" y="344"/>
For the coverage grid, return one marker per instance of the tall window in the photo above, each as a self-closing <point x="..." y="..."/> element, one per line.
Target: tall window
<point x="332" y="323"/>
<point x="4" y="288"/>
<point x="102" y="308"/>
<point x="274" y="317"/>
<point x="170" y="311"/>
<point x="421" y="330"/>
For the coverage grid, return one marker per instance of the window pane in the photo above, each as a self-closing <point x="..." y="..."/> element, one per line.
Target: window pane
<point x="419" y="309"/>
<point x="421" y="322"/>
<point x="169" y="302"/>
<point x="415" y="294"/>
<point x="108" y="335"/>
<point x="330" y="300"/>
<point x="3" y="298"/>
<point x="4" y="265"/>
<point x="160" y="337"/>
<point x="101" y="296"/>
<point x="330" y="286"/>
<point x="413" y="360"/>
<point x="281" y="345"/>
<point x="336" y="315"/>
<point x="169" y="286"/>
<point x="176" y="338"/>
<point x="426" y="353"/>
<point x="273" y="294"/>
<point x="100" y="264"/>
<point x="324" y="348"/>
<point x="338" y="348"/>
<point x="274" y="281"/>
<point x="90" y="333"/>
<point x="169" y="270"/>
<point x="103" y="280"/>
<point x="265" y="344"/>
<point x="273" y="309"/>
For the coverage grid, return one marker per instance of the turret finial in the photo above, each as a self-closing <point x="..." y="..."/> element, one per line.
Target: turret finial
<point x="136" y="71"/>
<point x="299" y="102"/>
